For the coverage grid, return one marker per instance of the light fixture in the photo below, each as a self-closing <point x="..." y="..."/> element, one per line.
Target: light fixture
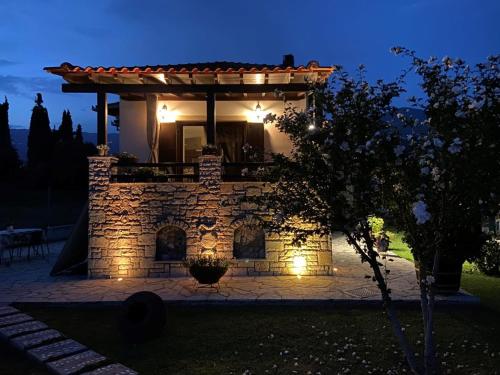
<point x="299" y="265"/>
<point x="120" y="279"/>
<point x="258" y="112"/>
<point x="163" y="112"/>
<point x="311" y="126"/>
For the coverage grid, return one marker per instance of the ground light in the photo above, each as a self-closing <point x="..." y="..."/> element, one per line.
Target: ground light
<point x="299" y="265"/>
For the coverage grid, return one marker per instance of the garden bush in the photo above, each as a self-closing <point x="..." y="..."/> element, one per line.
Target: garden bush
<point x="488" y="261"/>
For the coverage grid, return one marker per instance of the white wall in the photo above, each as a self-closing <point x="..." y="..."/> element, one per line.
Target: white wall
<point x="133" y="137"/>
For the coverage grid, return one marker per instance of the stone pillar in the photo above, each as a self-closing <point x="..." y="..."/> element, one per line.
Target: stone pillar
<point x="209" y="203"/>
<point x="99" y="179"/>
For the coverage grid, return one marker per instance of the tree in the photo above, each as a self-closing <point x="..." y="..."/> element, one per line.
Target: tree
<point x="339" y="173"/>
<point x="39" y="136"/>
<point x="79" y="135"/>
<point x="9" y="159"/>
<point x="449" y="176"/>
<point x="65" y="132"/>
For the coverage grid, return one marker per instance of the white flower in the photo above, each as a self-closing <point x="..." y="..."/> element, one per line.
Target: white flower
<point x="420" y="212"/>
<point x="437" y="142"/>
<point x="344" y="146"/>
<point x="430" y="280"/>
<point x="398" y="150"/>
<point x="455" y="147"/>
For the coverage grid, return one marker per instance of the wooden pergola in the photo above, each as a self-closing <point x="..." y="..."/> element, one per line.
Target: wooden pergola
<point x="204" y="81"/>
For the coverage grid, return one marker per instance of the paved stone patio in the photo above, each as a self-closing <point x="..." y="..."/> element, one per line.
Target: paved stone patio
<point x="29" y="281"/>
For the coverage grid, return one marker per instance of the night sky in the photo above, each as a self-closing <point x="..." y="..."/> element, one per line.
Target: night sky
<point x="35" y="34"/>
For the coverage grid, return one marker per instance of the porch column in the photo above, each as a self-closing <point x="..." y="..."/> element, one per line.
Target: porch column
<point x="102" y="118"/>
<point x="211" y="118"/>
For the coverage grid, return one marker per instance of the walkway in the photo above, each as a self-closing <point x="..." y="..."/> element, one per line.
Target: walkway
<point x="30" y="282"/>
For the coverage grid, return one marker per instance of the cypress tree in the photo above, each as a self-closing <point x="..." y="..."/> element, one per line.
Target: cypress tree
<point x="40" y="135"/>
<point x="79" y="135"/>
<point x="9" y="159"/>
<point x="66" y="128"/>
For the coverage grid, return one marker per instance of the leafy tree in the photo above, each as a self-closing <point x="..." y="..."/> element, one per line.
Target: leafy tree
<point x="39" y="136"/>
<point x="339" y="172"/>
<point x="448" y="176"/>
<point x="9" y="159"/>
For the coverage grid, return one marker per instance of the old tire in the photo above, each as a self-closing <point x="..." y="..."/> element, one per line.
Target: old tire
<point x="142" y="317"/>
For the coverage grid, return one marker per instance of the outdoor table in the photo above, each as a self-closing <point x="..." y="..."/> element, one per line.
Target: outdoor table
<point x="17" y="238"/>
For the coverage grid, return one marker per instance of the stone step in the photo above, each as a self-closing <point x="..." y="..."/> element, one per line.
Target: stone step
<point x="14" y="319"/>
<point x="8" y="310"/>
<point x="75" y="363"/>
<point x="57" y="349"/>
<point x="114" y="369"/>
<point x="34" y="339"/>
<point x="27" y="327"/>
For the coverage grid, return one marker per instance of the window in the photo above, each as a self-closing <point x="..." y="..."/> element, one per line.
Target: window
<point x="171" y="243"/>
<point x="249" y="242"/>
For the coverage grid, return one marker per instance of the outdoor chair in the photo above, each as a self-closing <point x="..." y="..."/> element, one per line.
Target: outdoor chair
<point x="36" y="242"/>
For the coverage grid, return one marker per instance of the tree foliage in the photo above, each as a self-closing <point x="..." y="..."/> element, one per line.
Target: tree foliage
<point x="9" y="158"/>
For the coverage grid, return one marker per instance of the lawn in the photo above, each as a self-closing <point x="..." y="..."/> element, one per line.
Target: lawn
<point x="487" y="288"/>
<point x="281" y="340"/>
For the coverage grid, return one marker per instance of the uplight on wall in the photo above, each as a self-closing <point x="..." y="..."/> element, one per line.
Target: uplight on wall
<point x="166" y="115"/>
<point x="299" y="265"/>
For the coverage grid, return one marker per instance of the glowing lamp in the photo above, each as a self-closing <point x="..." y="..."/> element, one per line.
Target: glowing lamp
<point x="311" y="126"/>
<point x="299" y="264"/>
<point x="258" y="112"/>
<point x="120" y="279"/>
<point x="165" y="115"/>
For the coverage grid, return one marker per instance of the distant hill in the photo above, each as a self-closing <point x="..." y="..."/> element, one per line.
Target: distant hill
<point x="20" y="141"/>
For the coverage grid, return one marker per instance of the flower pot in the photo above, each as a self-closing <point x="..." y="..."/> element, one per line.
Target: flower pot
<point x="448" y="276"/>
<point x="207" y="275"/>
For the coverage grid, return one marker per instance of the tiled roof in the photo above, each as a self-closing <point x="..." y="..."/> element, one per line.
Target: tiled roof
<point x="203" y="67"/>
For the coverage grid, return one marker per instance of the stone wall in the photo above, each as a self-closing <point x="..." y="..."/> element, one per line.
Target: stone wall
<point x="125" y="217"/>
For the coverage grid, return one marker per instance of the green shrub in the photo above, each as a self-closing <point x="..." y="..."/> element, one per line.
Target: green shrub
<point x="377" y="225"/>
<point x="124" y="158"/>
<point x="488" y="261"/>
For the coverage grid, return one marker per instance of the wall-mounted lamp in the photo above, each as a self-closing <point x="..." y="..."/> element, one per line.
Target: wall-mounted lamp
<point x="165" y="115"/>
<point x="258" y="112"/>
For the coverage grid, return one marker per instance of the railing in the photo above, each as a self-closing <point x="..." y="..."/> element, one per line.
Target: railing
<point x="245" y="171"/>
<point x="155" y="172"/>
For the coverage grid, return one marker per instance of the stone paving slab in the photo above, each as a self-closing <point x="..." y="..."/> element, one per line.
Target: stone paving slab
<point x="57" y="349"/>
<point x="75" y="363"/>
<point x="34" y="339"/>
<point x="30" y="282"/>
<point x="114" y="369"/>
<point x="13" y="319"/>
<point x="27" y="327"/>
<point x="8" y="310"/>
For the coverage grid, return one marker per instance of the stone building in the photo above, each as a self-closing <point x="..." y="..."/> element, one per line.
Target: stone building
<point x="147" y="215"/>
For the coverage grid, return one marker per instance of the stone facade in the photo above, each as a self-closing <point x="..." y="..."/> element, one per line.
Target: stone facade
<point x="124" y="219"/>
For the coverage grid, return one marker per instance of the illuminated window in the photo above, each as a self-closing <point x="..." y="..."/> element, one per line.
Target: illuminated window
<point x="249" y="242"/>
<point x="171" y="243"/>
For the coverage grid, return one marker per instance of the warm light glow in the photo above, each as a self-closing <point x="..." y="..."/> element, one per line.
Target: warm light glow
<point x="120" y="279"/>
<point x="166" y="115"/>
<point x="299" y="264"/>
<point x="258" y="112"/>
<point x="335" y="269"/>
<point x="311" y="127"/>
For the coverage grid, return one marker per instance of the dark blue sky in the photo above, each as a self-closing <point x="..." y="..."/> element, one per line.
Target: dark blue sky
<point x="39" y="33"/>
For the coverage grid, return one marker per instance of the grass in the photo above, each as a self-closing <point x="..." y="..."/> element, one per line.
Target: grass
<point x="281" y="340"/>
<point x="487" y="288"/>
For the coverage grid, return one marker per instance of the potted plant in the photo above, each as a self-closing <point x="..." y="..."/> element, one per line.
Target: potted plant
<point x="381" y="238"/>
<point x="210" y="150"/>
<point x="102" y="149"/>
<point x="207" y="269"/>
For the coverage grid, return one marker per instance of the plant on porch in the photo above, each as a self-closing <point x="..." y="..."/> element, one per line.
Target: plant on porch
<point x="207" y="269"/>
